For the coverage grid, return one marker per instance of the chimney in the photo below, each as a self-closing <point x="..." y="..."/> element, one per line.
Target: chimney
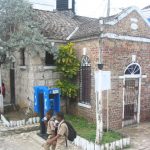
<point x="62" y="5"/>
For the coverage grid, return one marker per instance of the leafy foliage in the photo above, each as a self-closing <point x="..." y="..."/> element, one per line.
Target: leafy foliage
<point x="68" y="65"/>
<point x="67" y="61"/>
<point x="67" y="88"/>
<point x="20" y="28"/>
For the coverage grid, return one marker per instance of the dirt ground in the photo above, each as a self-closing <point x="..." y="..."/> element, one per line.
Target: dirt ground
<point x="140" y="136"/>
<point x="19" y="142"/>
<point x="15" y="115"/>
<point x="25" y="141"/>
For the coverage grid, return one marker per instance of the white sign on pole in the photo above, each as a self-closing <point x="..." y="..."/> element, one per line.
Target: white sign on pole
<point x="102" y="80"/>
<point x="106" y="80"/>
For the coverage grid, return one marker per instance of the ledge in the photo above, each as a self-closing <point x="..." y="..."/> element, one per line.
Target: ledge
<point x="84" y="105"/>
<point x="23" y="67"/>
<point x="49" y="67"/>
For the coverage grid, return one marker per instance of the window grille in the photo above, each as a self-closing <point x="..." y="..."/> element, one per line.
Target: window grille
<point x="85" y="80"/>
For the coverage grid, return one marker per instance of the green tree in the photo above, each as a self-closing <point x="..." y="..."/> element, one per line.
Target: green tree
<point x="20" y="27"/>
<point x="68" y="65"/>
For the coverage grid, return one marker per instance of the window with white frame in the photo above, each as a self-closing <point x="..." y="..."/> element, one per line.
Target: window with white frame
<point x="85" y="80"/>
<point x="133" y="69"/>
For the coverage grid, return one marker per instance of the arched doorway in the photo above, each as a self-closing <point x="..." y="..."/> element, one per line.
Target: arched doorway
<point x="131" y="94"/>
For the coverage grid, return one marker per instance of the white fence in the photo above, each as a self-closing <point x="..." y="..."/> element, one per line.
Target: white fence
<point x="19" y="123"/>
<point x="86" y="145"/>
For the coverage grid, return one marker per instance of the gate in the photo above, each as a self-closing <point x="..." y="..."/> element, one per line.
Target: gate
<point x="131" y="101"/>
<point x="131" y="96"/>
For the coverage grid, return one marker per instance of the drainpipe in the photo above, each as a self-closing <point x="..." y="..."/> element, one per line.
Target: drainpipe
<point x="100" y="62"/>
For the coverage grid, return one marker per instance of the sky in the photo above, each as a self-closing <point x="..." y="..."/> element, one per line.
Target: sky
<point x="97" y="8"/>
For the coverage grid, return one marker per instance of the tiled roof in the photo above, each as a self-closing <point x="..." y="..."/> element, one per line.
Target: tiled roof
<point x="59" y="25"/>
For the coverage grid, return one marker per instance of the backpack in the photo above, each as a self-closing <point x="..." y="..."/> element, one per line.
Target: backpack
<point x="72" y="134"/>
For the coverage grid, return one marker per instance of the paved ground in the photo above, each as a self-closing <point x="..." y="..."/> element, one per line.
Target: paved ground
<point x="25" y="141"/>
<point x="140" y="136"/>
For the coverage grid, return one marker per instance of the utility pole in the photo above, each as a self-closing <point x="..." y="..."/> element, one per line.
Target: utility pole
<point x="108" y="8"/>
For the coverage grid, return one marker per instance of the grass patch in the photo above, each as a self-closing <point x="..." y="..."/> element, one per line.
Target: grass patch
<point x="84" y="128"/>
<point x="87" y="130"/>
<point x="111" y="136"/>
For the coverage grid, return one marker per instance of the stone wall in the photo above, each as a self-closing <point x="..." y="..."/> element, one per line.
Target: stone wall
<point x="34" y="73"/>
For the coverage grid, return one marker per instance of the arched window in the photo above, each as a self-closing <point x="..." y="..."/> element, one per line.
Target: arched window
<point x="133" y="69"/>
<point x="85" y="80"/>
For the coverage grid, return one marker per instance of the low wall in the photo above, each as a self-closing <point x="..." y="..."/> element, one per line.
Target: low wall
<point x="87" y="145"/>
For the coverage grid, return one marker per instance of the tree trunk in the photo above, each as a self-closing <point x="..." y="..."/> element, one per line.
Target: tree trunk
<point x="67" y="101"/>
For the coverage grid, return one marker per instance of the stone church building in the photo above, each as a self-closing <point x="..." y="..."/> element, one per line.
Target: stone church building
<point x="120" y="42"/>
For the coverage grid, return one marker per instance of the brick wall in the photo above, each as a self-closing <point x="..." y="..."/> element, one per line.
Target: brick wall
<point x="117" y="55"/>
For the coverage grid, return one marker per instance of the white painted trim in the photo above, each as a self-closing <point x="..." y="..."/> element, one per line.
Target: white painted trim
<point x="84" y="105"/>
<point x="76" y="29"/>
<point x="139" y="102"/>
<point x="132" y="76"/>
<point x="56" y="41"/>
<point x="139" y="76"/>
<point x="88" y="145"/>
<point x="126" y="13"/>
<point x="123" y="102"/>
<point x="85" y="39"/>
<point x="5" y="120"/>
<point x="49" y="67"/>
<point x="126" y="38"/>
<point x="133" y="63"/>
<point x="23" y="67"/>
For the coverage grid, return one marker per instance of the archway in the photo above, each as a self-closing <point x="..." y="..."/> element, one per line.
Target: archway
<point x="131" y="94"/>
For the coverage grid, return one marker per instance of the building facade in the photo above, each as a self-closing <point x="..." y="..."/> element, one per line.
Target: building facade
<point x="120" y="42"/>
